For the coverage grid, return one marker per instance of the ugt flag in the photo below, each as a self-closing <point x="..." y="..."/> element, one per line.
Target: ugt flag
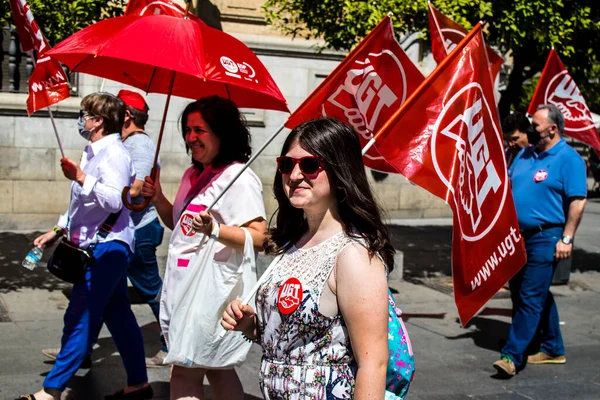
<point x="30" y="35"/>
<point x="48" y="85"/>
<point x="365" y="89"/>
<point x="445" y="36"/>
<point x="48" y="82"/>
<point x="557" y="87"/>
<point x="149" y="7"/>
<point x="446" y="138"/>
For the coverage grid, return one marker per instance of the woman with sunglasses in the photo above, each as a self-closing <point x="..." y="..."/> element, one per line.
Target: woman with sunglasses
<point x="218" y="139"/>
<point x="98" y="180"/>
<point x="321" y="315"/>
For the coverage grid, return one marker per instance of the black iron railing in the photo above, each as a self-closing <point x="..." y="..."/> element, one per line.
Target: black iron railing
<point x="18" y="66"/>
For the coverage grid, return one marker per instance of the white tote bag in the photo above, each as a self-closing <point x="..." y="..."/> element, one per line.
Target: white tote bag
<point x="195" y="323"/>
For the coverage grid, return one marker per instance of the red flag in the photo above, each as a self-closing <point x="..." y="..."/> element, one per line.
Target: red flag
<point x="30" y="35"/>
<point x="447" y="139"/>
<point x="48" y="82"/>
<point x="557" y="87"/>
<point x="446" y="34"/>
<point x="365" y="89"/>
<point x="149" y="7"/>
<point x="48" y="85"/>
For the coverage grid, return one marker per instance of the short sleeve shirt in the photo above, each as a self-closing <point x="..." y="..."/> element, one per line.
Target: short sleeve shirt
<point x="543" y="183"/>
<point x="242" y="203"/>
<point x="142" y="150"/>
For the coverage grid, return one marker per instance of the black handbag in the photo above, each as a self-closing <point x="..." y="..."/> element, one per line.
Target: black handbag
<point x="69" y="262"/>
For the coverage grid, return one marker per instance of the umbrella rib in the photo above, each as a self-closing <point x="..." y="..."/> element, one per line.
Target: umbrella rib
<point x="74" y="69"/>
<point x="228" y="94"/>
<point x="151" y="79"/>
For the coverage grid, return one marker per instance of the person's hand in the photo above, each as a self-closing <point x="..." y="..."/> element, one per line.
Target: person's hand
<point x="151" y="188"/>
<point x="46" y="240"/>
<point x="203" y="223"/>
<point x="72" y="171"/>
<point x="563" y="251"/>
<point x="239" y="317"/>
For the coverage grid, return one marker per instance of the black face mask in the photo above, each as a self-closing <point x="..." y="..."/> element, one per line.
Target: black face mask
<point x="534" y="137"/>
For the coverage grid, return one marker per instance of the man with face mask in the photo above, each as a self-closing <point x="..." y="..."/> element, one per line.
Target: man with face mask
<point x="549" y="187"/>
<point x="143" y="270"/>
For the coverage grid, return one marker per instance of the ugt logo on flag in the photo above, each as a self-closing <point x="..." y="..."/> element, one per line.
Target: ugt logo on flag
<point x="482" y="179"/>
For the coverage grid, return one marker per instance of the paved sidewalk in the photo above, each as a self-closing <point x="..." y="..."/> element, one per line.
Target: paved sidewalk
<point x="452" y="362"/>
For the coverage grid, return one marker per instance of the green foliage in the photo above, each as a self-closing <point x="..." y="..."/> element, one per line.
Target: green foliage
<point x="61" y="18"/>
<point x="523" y="29"/>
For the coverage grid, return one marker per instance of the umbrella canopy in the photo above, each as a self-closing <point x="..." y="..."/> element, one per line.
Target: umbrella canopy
<point x="144" y="51"/>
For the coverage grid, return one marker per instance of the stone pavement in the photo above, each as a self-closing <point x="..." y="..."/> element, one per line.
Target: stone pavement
<point x="452" y="362"/>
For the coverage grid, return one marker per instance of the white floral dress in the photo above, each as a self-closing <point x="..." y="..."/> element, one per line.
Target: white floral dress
<point x="306" y="355"/>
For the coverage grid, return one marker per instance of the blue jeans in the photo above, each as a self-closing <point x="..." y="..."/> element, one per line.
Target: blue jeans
<point x="143" y="269"/>
<point x="535" y="315"/>
<point x="101" y="296"/>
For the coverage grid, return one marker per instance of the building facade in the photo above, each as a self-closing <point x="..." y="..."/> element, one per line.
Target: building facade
<point x="33" y="191"/>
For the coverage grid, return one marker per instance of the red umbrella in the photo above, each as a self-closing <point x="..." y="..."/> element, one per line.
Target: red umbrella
<point x="174" y="56"/>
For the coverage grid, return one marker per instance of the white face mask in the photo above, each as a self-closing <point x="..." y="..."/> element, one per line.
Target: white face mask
<point x="85" y="133"/>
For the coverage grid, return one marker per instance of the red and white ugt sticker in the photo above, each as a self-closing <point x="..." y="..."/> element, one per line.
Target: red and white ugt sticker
<point x="290" y="295"/>
<point x="186" y="224"/>
<point x="540" y="175"/>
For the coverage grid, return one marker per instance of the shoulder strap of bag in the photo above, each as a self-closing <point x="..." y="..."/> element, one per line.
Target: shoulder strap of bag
<point x="107" y="226"/>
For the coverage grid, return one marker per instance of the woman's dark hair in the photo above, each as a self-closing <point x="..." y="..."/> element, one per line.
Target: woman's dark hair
<point x="227" y="123"/>
<point x="360" y="214"/>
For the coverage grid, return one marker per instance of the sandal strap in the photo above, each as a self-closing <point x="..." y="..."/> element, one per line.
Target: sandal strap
<point x="26" y="397"/>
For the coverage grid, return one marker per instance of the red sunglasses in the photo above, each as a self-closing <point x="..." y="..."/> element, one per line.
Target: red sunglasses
<point x="309" y="165"/>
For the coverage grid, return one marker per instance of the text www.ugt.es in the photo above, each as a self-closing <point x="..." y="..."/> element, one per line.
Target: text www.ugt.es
<point x="506" y="247"/>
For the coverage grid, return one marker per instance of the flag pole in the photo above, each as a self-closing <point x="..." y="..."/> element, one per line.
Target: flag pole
<point x="245" y="167"/>
<point x="252" y="292"/>
<point x="413" y="97"/>
<point x="537" y="88"/>
<point x="62" y="152"/>
<point x="437" y="25"/>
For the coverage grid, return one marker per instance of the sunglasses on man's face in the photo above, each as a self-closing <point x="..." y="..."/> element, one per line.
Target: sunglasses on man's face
<point x="309" y="165"/>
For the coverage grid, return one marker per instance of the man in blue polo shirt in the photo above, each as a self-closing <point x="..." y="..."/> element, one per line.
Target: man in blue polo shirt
<point x="549" y="187"/>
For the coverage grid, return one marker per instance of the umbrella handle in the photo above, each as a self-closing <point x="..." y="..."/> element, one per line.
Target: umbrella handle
<point x="125" y="192"/>
<point x="127" y="203"/>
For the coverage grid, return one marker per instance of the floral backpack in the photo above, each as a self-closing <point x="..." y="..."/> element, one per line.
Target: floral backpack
<point x="401" y="361"/>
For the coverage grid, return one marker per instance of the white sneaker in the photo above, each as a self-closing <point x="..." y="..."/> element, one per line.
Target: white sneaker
<point x="157" y="361"/>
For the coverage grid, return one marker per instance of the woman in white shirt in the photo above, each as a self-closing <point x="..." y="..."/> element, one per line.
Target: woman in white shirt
<point x="218" y="140"/>
<point x="105" y="169"/>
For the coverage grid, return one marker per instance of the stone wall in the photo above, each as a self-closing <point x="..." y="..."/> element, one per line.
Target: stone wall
<point x="33" y="191"/>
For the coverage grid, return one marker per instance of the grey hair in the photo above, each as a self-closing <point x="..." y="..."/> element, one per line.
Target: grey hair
<point x="554" y="115"/>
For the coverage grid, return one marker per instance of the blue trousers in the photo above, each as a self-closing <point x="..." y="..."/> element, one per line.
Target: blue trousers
<point x="535" y="315"/>
<point x="101" y="296"/>
<point x="143" y="269"/>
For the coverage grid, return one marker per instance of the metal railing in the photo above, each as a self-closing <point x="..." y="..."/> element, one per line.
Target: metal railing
<point x="18" y="66"/>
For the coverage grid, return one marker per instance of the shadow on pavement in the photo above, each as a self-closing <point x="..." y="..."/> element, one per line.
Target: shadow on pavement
<point x="488" y="334"/>
<point x="107" y="367"/>
<point x="584" y="261"/>
<point x="427" y="251"/>
<point x="13" y="277"/>
<point x="408" y="316"/>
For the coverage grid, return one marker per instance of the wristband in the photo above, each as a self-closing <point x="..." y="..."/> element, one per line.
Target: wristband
<point x="58" y="230"/>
